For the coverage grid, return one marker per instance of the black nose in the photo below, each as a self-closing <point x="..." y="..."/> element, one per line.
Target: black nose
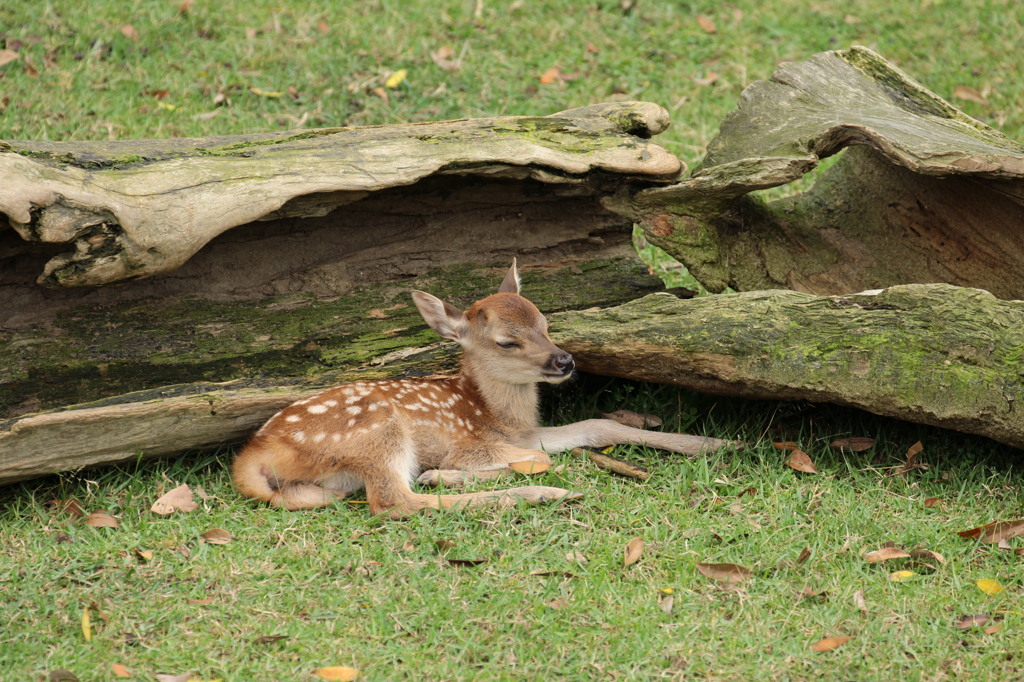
<point x="564" y="363"/>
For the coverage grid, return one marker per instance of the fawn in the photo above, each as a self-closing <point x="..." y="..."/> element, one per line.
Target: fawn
<point x="382" y="434"/>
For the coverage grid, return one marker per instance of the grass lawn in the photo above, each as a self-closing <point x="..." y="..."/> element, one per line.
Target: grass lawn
<point x="540" y="592"/>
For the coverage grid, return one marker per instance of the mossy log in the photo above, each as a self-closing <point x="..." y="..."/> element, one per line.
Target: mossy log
<point x="923" y="193"/>
<point x="207" y="374"/>
<point x="928" y="353"/>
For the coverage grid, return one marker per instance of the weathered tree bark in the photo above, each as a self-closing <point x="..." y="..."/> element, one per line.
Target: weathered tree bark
<point x="933" y="354"/>
<point x="923" y="194"/>
<point x="139" y="208"/>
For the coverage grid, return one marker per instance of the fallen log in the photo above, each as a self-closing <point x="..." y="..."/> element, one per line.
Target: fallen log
<point x="922" y="193"/>
<point x="927" y="353"/>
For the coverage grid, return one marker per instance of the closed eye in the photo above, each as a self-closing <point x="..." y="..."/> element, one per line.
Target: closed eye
<point x="508" y="345"/>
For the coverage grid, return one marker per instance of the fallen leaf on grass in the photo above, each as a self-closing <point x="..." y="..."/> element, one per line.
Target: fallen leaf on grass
<point x="273" y="94"/>
<point x="927" y="554"/>
<point x="179" y="499"/>
<point x="70" y="506"/>
<point x="119" y="670"/>
<point x="859" y="601"/>
<point x="726" y="573"/>
<point x="8" y="56"/>
<point x="932" y="502"/>
<point x="786" y="445"/>
<point x="637" y="420"/>
<point x="529" y="466"/>
<point x="551" y="75"/>
<point x="634" y="548"/>
<point x="144" y="554"/>
<point x="901" y="576"/>
<point x="989" y="586"/>
<point x="61" y="675"/>
<point x="86" y="624"/>
<point x="217" y="536"/>
<point x="666" y="602"/>
<point x="805" y="554"/>
<point x="395" y="79"/>
<point x="199" y="602"/>
<point x="801" y="462"/>
<point x="975" y="621"/>
<point x="852" y="444"/>
<point x="444" y="58"/>
<point x="129" y="32"/>
<point x="337" y="673"/>
<point x="995" y="532"/>
<point x="576" y="556"/>
<point x="706" y="24"/>
<point x="970" y="94"/>
<point x="101" y="519"/>
<point x="829" y="643"/>
<point x="885" y="554"/>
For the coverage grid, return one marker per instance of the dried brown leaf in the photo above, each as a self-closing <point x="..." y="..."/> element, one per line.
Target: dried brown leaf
<point x="61" y="675"/>
<point x="185" y="6"/>
<point x="932" y="502"/>
<point x="178" y="499"/>
<point x="852" y="444"/>
<point x="995" y="532"/>
<point x="914" y="449"/>
<point x="707" y="80"/>
<point x="70" y="506"/>
<point x="144" y="554"/>
<point x="576" y="556"/>
<point x="974" y="621"/>
<point x="119" y="670"/>
<point x="829" y="643"/>
<point x="927" y="554"/>
<point x="8" y="56"/>
<point x="805" y="554"/>
<point x="799" y="460"/>
<point x="966" y="92"/>
<point x="666" y="602"/>
<point x="529" y="466"/>
<point x="199" y="602"/>
<point x="634" y="548"/>
<point x="444" y="57"/>
<point x="786" y="445"/>
<point x="129" y="32"/>
<point x="551" y="75"/>
<point x="706" y="24"/>
<point x="444" y="545"/>
<point x="547" y="573"/>
<point x="638" y="420"/>
<point x="859" y="601"/>
<point x="218" y="536"/>
<point x="726" y="573"/>
<point x="101" y="519"/>
<point x="885" y="554"/>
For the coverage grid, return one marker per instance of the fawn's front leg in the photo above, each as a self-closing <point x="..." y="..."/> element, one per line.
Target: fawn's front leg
<point x="604" y="432"/>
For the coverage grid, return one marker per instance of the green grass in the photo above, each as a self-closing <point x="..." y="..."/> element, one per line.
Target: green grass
<point x="348" y="589"/>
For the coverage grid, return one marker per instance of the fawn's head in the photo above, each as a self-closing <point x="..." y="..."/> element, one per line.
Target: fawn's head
<point x="503" y="335"/>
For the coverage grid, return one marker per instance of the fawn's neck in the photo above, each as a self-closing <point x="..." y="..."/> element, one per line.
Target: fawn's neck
<point x="513" y="406"/>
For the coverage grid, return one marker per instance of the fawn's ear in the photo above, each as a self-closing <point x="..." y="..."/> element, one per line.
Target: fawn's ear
<point x="445" y="319"/>
<point x="510" y="285"/>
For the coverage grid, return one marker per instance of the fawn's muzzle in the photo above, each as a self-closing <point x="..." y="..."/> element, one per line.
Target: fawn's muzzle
<point x="560" y="364"/>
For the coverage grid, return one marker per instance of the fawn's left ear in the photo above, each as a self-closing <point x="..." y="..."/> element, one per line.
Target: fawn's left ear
<point x="510" y="285"/>
<point x="443" y="318"/>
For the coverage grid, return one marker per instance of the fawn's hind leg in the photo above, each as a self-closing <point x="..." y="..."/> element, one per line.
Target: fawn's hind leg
<point x="501" y="456"/>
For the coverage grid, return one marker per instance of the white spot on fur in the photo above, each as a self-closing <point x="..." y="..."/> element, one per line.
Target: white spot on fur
<point x="316" y="409"/>
<point x="336" y="437"/>
<point x="351" y="422"/>
<point x="353" y="399"/>
<point x="318" y="438"/>
<point x="355" y="409"/>
<point x="331" y="403"/>
<point x="299" y="436"/>
<point x="293" y="418"/>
